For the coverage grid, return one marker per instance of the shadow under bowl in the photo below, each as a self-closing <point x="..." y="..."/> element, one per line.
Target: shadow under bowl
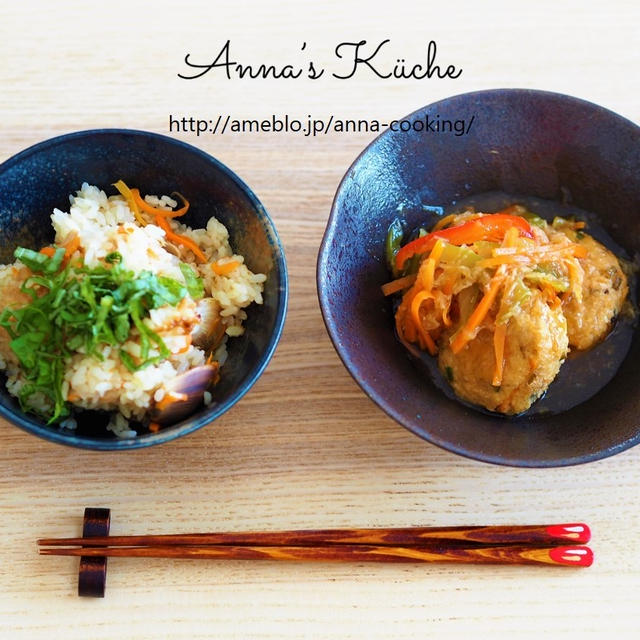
<point x="43" y="176"/>
<point x="522" y="142"/>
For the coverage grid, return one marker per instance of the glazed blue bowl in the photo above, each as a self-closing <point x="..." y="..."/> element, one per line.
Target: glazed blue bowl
<point x="40" y="178"/>
<point x="522" y="142"/>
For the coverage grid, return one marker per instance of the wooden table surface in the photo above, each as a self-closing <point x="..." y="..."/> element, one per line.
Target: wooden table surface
<point x="305" y="448"/>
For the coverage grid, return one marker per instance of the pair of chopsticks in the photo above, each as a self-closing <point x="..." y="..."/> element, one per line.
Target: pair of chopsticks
<point x="559" y="544"/>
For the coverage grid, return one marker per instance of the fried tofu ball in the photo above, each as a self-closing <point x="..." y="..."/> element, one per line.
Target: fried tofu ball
<point x="604" y="290"/>
<point x="535" y="347"/>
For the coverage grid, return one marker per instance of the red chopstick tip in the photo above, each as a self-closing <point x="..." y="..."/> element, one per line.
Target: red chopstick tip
<point x="576" y="532"/>
<point x="572" y="556"/>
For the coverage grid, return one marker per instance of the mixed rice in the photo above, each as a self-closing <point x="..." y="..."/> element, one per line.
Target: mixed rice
<point x="111" y="237"/>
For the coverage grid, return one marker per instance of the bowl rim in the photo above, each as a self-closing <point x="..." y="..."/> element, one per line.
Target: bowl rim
<point x="210" y="414"/>
<point x="345" y="357"/>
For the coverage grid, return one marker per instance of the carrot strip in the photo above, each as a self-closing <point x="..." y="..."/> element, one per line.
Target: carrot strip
<point x="162" y="222"/>
<point x="465" y="334"/>
<point x="499" y="339"/>
<point x="71" y="246"/>
<point x="155" y="211"/>
<point x="426" y="274"/>
<point x="224" y="268"/>
<point x="128" y="196"/>
<point x="398" y="285"/>
<point x="416" y="303"/>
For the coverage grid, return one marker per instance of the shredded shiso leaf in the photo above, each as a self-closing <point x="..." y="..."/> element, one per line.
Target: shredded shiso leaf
<point x="75" y="309"/>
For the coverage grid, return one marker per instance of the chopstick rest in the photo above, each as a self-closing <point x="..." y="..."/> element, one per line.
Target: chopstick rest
<point x="556" y="544"/>
<point x="92" y="574"/>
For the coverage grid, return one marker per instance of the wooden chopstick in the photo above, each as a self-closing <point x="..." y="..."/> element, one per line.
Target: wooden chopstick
<point x="576" y="556"/>
<point x="498" y="535"/>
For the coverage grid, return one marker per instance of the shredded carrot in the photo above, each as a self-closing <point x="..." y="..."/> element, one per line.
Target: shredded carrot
<point x="466" y="333"/>
<point x="428" y="268"/>
<point x="169" y="398"/>
<point x="128" y="196"/>
<point x="154" y="427"/>
<point x="499" y="339"/>
<point x="396" y="285"/>
<point x="163" y="223"/>
<point x="224" y="268"/>
<point x="416" y="303"/>
<point x="71" y="246"/>
<point x="156" y="211"/>
<point x="426" y="273"/>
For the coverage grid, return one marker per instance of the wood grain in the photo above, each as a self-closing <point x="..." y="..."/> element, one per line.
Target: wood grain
<point x="305" y="448"/>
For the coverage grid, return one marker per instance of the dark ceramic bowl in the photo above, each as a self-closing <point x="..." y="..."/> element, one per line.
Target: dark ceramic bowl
<point x="523" y="142"/>
<point x="40" y="178"/>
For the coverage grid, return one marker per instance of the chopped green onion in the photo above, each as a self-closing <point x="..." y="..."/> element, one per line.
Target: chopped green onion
<point x="39" y="262"/>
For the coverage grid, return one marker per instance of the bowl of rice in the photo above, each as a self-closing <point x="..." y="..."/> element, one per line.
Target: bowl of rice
<point x="143" y="289"/>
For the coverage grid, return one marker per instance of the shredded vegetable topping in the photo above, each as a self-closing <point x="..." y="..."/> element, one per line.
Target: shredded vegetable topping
<point x="77" y="309"/>
<point x="478" y="269"/>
